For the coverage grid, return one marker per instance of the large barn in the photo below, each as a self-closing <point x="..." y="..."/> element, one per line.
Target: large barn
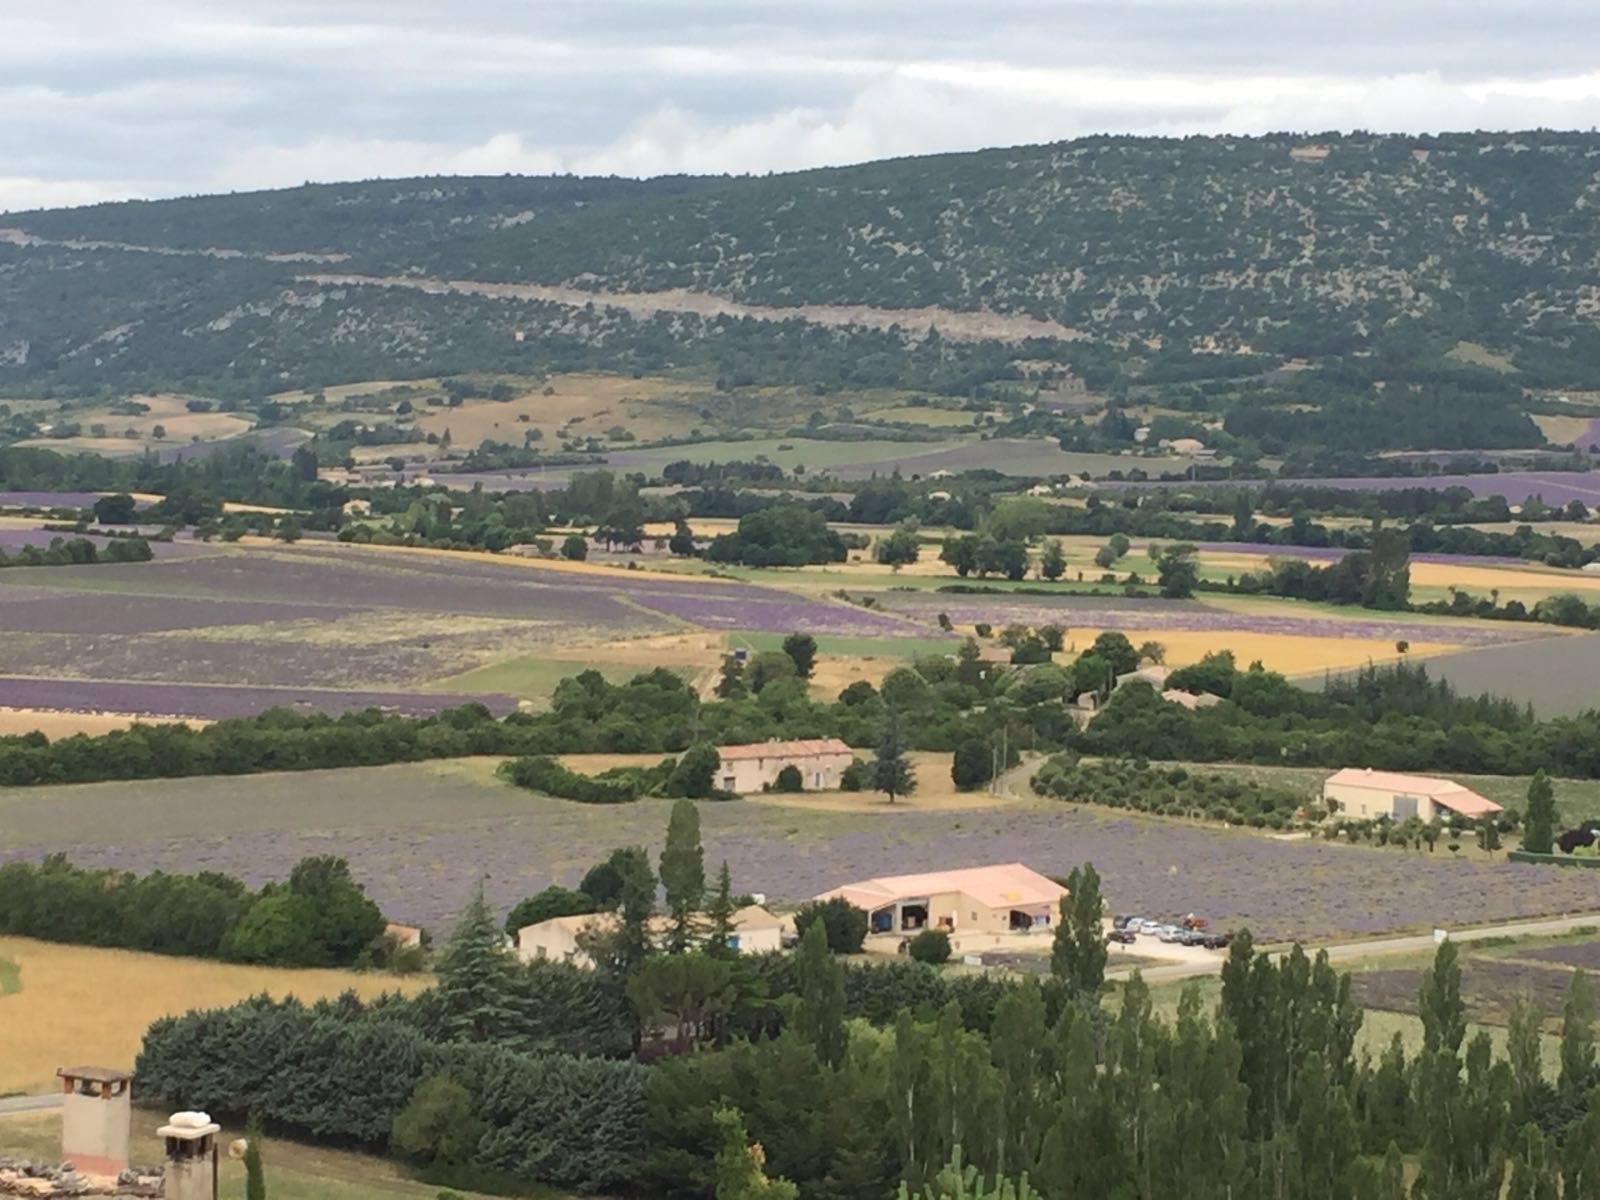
<point x="1005" y="898"/>
<point x="1363" y="793"/>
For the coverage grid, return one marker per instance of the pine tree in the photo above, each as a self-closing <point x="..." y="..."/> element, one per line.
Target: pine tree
<point x="1539" y="821"/>
<point x="1577" y="1034"/>
<point x="1580" y="1155"/>
<point x="820" y="978"/>
<point x="473" y="999"/>
<point x="683" y="873"/>
<point x="719" y="917"/>
<point x="1078" y="955"/>
<point x="802" y="651"/>
<point x="255" y="1173"/>
<point x="890" y="773"/>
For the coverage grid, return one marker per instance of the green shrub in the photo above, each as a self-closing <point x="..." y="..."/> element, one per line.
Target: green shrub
<point x="931" y="946"/>
<point x="846" y="924"/>
<point x="789" y="780"/>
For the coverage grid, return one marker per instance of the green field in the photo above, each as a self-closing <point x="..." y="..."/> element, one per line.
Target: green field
<point x="853" y="647"/>
<point x="10" y="977"/>
<point x="534" y="679"/>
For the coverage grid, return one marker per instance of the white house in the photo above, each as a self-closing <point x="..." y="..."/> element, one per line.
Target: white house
<point x="749" y="768"/>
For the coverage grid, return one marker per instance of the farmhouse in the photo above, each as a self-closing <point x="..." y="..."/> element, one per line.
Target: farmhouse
<point x="820" y="761"/>
<point x="1005" y="898"/>
<point x="1364" y="793"/>
<point x="755" y="931"/>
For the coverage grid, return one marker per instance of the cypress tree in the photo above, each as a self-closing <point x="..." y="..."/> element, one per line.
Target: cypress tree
<point x="719" y="916"/>
<point x="683" y="873"/>
<point x="820" y="1018"/>
<point x="255" y="1173"/>
<point x="1078" y="954"/>
<point x="1539" y="821"/>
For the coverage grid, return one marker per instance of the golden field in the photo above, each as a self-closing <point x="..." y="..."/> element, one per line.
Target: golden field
<point x="80" y="1004"/>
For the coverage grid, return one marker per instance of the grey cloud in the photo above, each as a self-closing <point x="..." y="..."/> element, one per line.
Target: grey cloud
<point x="102" y="98"/>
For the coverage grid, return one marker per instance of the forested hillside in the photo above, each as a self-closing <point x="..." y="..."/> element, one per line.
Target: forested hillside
<point x="1278" y="247"/>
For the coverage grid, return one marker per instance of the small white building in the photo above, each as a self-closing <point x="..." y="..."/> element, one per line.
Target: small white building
<point x="1364" y="794"/>
<point x="755" y="931"/>
<point x="750" y="768"/>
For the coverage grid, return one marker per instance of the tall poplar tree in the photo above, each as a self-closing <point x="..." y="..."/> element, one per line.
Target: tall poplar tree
<point x="1577" y="1034"/>
<point x="719" y="917"/>
<point x="1078" y="954"/>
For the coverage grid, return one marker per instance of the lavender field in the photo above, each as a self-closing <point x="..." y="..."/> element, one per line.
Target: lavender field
<point x="12" y="540"/>
<point x="1555" y="487"/>
<point x="348" y="619"/>
<point x="216" y="702"/>
<point x="419" y="836"/>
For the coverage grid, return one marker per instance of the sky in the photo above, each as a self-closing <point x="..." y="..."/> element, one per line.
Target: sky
<point x="107" y="99"/>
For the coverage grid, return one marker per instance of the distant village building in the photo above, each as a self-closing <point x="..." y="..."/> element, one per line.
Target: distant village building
<point x="1363" y="793"/>
<point x="755" y="931"/>
<point x="1313" y="153"/>
<point x="750" y="768"/>
<point x="1005" y="898"/>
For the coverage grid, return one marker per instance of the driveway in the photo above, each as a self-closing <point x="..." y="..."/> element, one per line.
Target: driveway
<point x="11" y="1105"/>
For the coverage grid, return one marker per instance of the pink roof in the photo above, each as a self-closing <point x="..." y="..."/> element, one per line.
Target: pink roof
<point x="1445" y="792"/>
<point x="999" y="886"/>
<point x="803" y="748"/>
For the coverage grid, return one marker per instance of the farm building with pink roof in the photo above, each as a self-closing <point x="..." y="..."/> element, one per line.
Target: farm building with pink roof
<point x="1364" y="793"/>
<point x="1004" y="898"/>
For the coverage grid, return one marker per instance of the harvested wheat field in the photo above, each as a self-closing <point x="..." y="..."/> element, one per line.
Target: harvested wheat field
<point x="64" y="724"/>
<point x="1289" y="654"/>
<point x="82" y="1004"/>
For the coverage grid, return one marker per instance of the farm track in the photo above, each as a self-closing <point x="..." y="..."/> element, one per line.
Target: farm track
<point x="974" y="326"/>
<point x="1353" y="952"/>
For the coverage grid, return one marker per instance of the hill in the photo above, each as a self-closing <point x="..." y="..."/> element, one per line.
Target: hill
<point x="1124" y="262"/>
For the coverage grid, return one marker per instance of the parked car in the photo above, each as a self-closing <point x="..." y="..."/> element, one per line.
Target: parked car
<point x="1194" y="937"/>
<point x="1122" y="937"/>
<point x="1149" y="926"/>
<point x="1120" y="923"/>
<point x="1172" y="933"/>
<point x="1218" y="941"/>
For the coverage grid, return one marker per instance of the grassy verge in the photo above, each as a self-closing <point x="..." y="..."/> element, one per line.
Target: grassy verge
<point x="294" y="1171"/>
<point x="10" y="977"/>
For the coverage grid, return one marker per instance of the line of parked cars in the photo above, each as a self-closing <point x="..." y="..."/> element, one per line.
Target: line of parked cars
<point x="1191" y="931"/>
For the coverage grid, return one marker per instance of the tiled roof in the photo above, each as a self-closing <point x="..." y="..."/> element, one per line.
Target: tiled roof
<point x="803" y="748"/>
<point x="1447" y="792"/>
<point x="994" y="887"/>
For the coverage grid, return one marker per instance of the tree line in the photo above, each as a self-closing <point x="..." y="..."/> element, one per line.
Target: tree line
<point x="318" y="917"/>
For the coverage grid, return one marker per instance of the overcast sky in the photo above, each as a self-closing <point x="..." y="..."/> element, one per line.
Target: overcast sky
<point x="104" y="99"/>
